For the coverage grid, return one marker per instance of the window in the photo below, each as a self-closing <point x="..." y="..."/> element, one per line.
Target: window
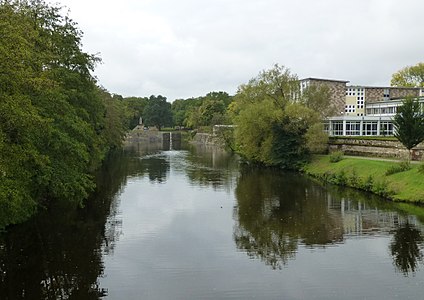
<point x="369" y="128"/>
<point x="326" y="127"/>
<point x="337" y="127"/>
<point x="386" y="128"/>
<point x="353" y="128"/>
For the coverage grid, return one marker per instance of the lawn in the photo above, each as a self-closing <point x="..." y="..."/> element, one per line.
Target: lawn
<point x="370" y="175"/>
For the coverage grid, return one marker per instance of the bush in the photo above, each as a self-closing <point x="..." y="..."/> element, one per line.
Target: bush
<point x="341" y="178"/>
<point x="401" y="167"/>
<point x="368" y="184"/>
<point x="381" y="188"/>
<point x="336" y="156"/>
<point x="354" y="180"/>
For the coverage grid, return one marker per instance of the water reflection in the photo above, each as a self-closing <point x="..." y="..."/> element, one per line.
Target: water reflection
<point x="277" y="212"/>
<point x="189" y="244"/>
<point x="58" y="254"/>
<point x="211" y="166"/>
<point x="406" y="248"/>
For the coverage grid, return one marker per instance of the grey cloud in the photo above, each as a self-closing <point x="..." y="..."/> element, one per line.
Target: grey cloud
<point x="189" y="47"/>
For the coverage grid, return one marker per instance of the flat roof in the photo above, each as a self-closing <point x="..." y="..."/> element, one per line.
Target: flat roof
<point x="323" y="79"/>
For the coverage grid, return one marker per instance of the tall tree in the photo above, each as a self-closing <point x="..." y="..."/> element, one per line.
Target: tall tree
<point x="318" y="98"/>
<point x="157" y="112"/>
<point x="412" y="76"/>
<point x="55" y="128"/>
<point x="135" y="107"/>
<point x="272" y="122"/>
<point x="409" y="123"/>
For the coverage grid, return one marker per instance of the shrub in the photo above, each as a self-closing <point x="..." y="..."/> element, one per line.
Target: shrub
<point x="354" y="180"/>
<point x="341" y="178"/>
<point x="381" y="188"/>
<point x="336" y="156"/>
<point x="368" y="184"/>
<point x="401" y="167"/>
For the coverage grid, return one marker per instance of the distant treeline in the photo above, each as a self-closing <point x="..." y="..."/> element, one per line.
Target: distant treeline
<point x="191" y="113"/>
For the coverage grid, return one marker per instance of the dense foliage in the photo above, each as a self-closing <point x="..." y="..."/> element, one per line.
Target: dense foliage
<point x="412" y="76"/>
<point x="206" y="110"/>
<point x="276" y="124"/>
<point x="409" y="123"/>
<point x="157" y="112"/>
<point x="56" y="125"/>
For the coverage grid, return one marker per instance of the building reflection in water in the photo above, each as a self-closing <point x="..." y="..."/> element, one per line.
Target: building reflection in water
<point x="276" y="212"/>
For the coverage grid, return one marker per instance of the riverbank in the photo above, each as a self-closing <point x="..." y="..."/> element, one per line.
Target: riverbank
<point x="370" y="175"/>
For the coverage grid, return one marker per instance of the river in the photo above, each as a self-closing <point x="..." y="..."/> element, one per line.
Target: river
<point x="196" y="224"/>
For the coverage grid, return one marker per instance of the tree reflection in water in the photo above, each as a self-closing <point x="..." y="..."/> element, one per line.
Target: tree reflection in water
<point x="58" y="254"/>
<point x="276" y="212"/>
<point x="405" y="248"/>
<point x="211" y="166"/>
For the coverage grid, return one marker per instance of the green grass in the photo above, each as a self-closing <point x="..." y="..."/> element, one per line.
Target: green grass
<point x="370" y="175"/>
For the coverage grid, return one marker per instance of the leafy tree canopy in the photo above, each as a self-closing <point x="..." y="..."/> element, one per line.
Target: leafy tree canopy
<point x="55" y="124"/>
<point x="273" y="120"/>
<point x="207" y="110"/>
<point x="411" y="76"/>
<point x="157" y="112"/>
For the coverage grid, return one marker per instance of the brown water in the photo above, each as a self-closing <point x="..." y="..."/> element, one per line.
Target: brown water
<point x="194" y="224"/>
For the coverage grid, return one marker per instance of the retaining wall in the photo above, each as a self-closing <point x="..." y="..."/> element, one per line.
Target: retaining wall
<point x="377" y="148"/>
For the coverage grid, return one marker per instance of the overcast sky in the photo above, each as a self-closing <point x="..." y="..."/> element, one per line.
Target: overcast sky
<point x="187" y="48"/>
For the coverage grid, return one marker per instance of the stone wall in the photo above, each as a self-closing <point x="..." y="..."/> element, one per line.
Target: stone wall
<point x="205" y="139"/>
<point x="375" y="148"/>
<point x="404" y="92"/>
<point x="374" y="94"/>
<point x="138" y="135"/>
<point x="337" y="91"/>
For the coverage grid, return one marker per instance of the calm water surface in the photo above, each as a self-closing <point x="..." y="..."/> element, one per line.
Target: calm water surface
<point x="194" y="224"/>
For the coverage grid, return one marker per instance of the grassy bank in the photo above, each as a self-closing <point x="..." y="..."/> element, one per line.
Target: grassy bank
<point x="372" y="176"/>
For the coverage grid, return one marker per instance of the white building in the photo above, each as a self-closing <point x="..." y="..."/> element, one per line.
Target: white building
<point x="377" y="120"/>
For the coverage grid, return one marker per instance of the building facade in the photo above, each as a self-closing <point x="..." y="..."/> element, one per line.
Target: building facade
<point x="337" y="90"/>
<point x="363" y="110"/>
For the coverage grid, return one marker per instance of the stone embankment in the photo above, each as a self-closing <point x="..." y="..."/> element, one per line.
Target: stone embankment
<point x="375" y="148"/>
<point x="152" y="139"/>
<point x="205" y="139"/>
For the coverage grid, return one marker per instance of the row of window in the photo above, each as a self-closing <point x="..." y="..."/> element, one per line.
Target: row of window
<point x="359" y="94"/>
<point x="353" y="128"/>
<point x="381" y="110"/>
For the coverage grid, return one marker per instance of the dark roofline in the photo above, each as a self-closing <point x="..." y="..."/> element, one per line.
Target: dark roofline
<point x="322" y="79"/>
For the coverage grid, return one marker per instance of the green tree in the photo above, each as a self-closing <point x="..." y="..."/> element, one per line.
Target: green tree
<point x="157" y="112"/>
<point x="318" y="98"/>
<point x="55" y="126"/>
<point x="135" y="107"/>
<point x="185" y="111"/>
<point x="272" y="121"/>
<point x="412" y="76"/>
<point x="409" y="123"/>
<point x="207" y="110"/>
